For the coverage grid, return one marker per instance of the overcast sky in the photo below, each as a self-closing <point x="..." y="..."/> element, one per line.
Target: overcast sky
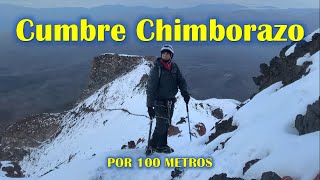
<point x="164" y="3"/>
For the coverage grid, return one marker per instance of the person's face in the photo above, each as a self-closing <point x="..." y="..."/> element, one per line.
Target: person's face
<point x="166" y="55"/>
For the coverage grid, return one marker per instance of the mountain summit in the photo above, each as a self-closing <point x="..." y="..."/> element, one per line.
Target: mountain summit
<point x="273" y="134"/>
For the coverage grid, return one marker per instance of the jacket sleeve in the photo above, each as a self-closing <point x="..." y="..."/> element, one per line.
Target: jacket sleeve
<point x="152" y="86"/>
<point x="182" y="84"/>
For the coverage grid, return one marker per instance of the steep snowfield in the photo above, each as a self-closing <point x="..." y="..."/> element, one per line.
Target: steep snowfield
<point x="266" y="131"/>
<point x="120" y="116"/>
<point x="116" y="114"/>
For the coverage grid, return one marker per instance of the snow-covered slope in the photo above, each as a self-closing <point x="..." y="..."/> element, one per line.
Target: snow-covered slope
<point x="100" y="125"/>
<point x="114" y="115"/>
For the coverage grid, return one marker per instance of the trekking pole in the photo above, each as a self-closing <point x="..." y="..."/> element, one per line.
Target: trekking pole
<point x="148" y="150"/>
<point x="188" y="120"/>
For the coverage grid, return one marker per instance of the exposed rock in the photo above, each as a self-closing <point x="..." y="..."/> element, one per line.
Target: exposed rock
<point x="88" y="109"/>
<point x="221" y="128"/>
<point x="104" y="122"/>
<point x="223" y="176"/>
<point x="201" y="129"/>
<point x="287" y="178"/>
<point x="140" y="140"/>
<point x="176" y="173"/>
<point x="217" y="113"/>
<point x="249" y="164"/>
<point x="270" y="176"/>
<point x="310" y="122"/>
<point x="222" y="144"/>
<point x="28" y="133"/>
<point x="182" y="120"/>
<point x="143" y="82"/>
<point x="107" y="67"/>
<point x="284" y="68"/>
<point x="13" y="171"/>
<point x="201" y="105"/>
<point x="173" y="130"/>
<point x="131" y="145"/>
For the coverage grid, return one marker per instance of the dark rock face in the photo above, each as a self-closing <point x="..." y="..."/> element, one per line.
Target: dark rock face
<point x="217" y="113"/>
<point x="284" y="68"/>
<point x="265" y="176"/>
<point x="13" y="171"/>
<point x="221" y="128"/>
<point x="249" y="164"/>
<point x="270" y="176"/>
<point x="222" y="145"/>
<point x="173" y="130"/>
<point x="223" y="176"/>
<point x="176" y="173"/>
<point x="28" y="133"/>
<point x="131" y="145"/>
<point x="143" y="82"/>
<point x="310" y="122"/>
<point x="107" y="67"/>
<point x="201" y="129"/>
<point x="182" y="120"/>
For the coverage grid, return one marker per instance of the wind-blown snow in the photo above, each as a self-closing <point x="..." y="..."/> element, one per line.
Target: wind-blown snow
<point x="265" y="131"/>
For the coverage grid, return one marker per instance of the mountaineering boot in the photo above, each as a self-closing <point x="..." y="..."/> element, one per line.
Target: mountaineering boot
<point x="149" y="151"/>
<point x="167" y="149"/>
<point x="163" y="149"/>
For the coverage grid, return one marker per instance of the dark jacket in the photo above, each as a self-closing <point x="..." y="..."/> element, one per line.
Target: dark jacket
<point x="165" y="87"/>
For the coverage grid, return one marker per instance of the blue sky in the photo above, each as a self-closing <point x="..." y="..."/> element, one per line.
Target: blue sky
<point x="164" y="3"/>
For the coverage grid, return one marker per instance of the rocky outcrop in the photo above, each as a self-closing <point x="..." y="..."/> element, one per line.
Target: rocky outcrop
<point x="285" y="68"/>
<point x="221" y="128"/>
<point x="217" y="113"/>
<point x="265" y="176"/>
<point x="182" y="120"/>
<point x="221" y="145"/>
<point x="310" y="122"/>
<point x="107" y="67"/>
<point x="201" y="129"/>
<point x="248" y="165"/>
<point x="13" y="170"/>
<point x="177" y="172"/>
<point x="28" y="133"/>
<point x="270" y="176"/>
<point x="223" y="176"/>
<point x="173" y="131"/>
<point x="132" y="144"/>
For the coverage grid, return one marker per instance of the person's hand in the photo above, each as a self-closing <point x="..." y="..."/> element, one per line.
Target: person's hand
<point x="152" y="112"/>
<point x="186" y="99"/>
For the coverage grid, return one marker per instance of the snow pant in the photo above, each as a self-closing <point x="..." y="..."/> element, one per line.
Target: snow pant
<point x="164" y="111"/>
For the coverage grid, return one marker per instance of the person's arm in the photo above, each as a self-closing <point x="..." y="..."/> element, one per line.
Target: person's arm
<point x="182" y="84"/>
<point x="152" y="86"/>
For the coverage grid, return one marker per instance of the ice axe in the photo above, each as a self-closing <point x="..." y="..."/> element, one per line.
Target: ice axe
<point x="188" y="120"/>
<point x="148" y="149"/>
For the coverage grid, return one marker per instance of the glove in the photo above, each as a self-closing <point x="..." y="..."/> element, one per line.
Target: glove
<point x="152" y="112"/>
<point x="186" y="99"/>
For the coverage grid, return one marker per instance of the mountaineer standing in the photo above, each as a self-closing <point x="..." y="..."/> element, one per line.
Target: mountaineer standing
<point x="164" y="80"/>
